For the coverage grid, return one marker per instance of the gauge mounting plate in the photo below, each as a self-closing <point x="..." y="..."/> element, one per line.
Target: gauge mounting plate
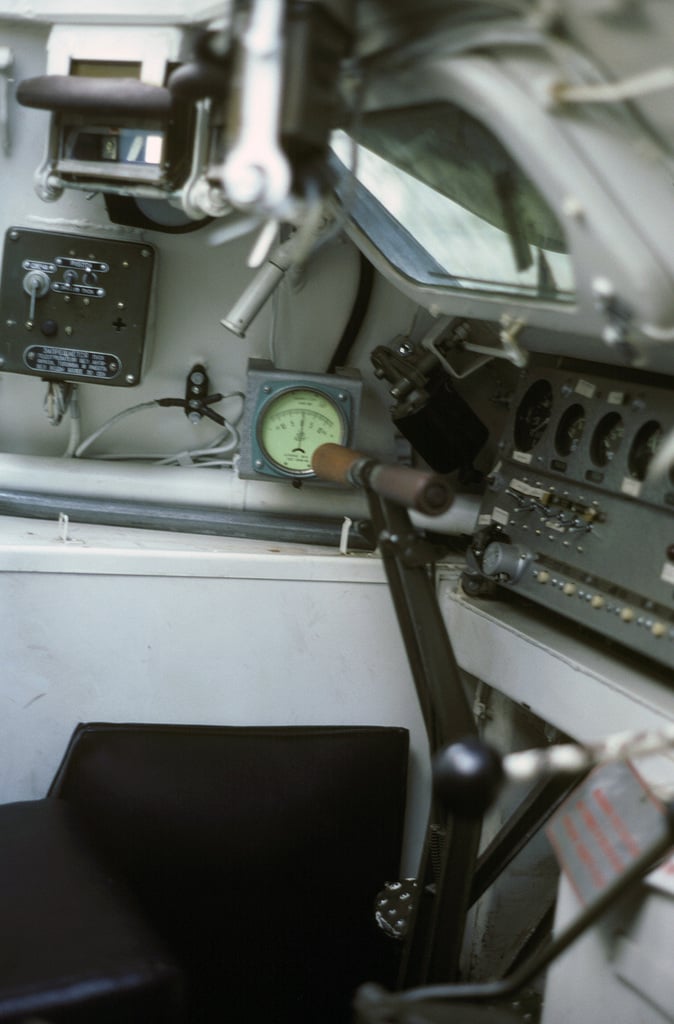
<point x="288" y="414"/>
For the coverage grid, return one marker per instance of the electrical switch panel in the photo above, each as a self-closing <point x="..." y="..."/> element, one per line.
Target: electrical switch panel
<point x="74" y="307"/>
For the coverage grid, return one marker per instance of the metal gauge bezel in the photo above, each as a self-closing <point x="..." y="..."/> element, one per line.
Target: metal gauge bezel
<point x="265" y="410"/>
<point x="265" y="384"/>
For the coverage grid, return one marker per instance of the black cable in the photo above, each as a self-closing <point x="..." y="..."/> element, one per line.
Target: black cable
<point x="355" y="322"/>
<point x="204" y="408"/>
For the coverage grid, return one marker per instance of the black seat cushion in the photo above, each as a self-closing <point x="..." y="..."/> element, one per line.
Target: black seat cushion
<point x="257" y="852"/>
<point x="73" y="946"/>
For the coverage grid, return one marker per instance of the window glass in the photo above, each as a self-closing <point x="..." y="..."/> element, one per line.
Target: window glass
<point x="449" y="185"/>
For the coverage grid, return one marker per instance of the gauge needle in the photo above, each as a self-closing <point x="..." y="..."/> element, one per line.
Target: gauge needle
<point x="300" y="436"/>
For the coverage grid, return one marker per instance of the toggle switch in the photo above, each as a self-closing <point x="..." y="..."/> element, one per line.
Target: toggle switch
<point x="36" y="284"/>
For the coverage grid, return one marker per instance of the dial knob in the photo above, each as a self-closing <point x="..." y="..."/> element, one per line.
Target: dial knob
<point x="505" y="561"/>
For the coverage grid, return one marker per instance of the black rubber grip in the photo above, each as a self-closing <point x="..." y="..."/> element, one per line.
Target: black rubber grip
<point x="95" y="96"/>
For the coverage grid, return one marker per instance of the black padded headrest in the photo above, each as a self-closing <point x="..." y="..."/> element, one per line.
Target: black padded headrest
<point x="95" y="96"/>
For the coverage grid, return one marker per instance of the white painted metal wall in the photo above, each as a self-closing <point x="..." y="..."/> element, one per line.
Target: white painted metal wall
<point x="620" y="972"/>
<point x="131" y="625"/>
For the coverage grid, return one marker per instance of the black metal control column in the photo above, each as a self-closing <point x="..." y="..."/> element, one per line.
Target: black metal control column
<point x="436" y="934"/>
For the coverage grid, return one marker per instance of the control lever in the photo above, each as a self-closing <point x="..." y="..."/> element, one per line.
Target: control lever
<point x="435" y="937"/>
<point x="412" y="488"/>
<point x="468" y="770"/>
<point x="36" y="285"/>
<point x="468" y="773"/>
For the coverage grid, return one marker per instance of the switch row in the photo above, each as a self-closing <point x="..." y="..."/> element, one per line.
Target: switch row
<point x="624" y="612"/>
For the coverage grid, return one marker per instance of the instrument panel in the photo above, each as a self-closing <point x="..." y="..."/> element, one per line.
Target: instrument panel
<point x="288" y="414"/>
<point x="73" y="307"/>
<point x="574" y="517"/>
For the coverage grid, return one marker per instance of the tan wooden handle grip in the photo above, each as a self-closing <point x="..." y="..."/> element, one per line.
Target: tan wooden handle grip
<point x="334" y="462"/>
<point x="413" y="488"/>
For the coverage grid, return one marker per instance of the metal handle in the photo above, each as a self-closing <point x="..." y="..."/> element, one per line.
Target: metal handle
<point x="413" y="488"/>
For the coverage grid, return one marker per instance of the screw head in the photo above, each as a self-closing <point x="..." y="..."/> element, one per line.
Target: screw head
<point x="130" y="378"/>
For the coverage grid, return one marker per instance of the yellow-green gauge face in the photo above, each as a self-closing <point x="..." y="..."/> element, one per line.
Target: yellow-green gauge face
<point x="295" y="423"/>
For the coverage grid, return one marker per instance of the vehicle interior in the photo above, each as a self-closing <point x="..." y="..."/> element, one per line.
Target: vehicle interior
<point x="336" y="495"/>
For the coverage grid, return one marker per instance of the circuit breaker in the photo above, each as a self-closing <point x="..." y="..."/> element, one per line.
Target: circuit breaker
<point x="74" y="307"/>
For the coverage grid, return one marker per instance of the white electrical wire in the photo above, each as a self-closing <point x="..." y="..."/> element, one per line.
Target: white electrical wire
<point x="193" y="456"/>
<point x="226" y="443"/>
<point x="81" y="448"/>
<point x="56" y="400"/>
<point x="75" y="424"/>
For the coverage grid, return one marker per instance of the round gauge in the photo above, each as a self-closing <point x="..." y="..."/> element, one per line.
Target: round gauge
<point x="293" y="424"/>
<point x="644" y="447"/>
<point x="570" y="429"/>
<point x="533" y="415"/>
<point x="607" y="439"/>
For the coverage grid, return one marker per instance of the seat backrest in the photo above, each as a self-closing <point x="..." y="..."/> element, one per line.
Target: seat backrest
<point x="256" y="851"/>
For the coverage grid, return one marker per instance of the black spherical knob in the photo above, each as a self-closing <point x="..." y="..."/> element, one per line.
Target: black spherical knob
<point x="467" y="776"/>
<point x="49" y="328"/>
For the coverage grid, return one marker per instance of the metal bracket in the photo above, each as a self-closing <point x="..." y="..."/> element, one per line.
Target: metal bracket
<point x="451" y="339"/>
<point x="510" y="328"/>
<point x="198" y="196"/>
<point x="618" y="319"/>
<point x="444" y="339"/>
<point x="412" y="550"/>
<point x="256" y="173"/>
